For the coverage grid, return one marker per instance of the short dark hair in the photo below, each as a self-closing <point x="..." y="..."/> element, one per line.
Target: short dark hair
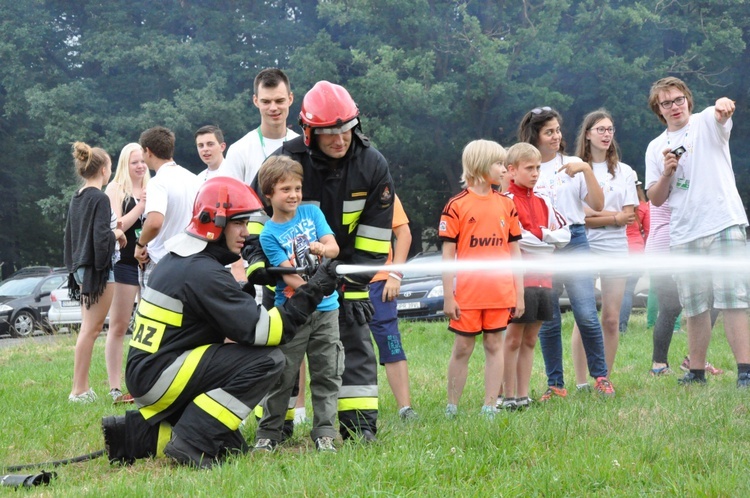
<point x="159" y="140"/>
<point x="270" y="78"/>
<point x="203" y="130"/>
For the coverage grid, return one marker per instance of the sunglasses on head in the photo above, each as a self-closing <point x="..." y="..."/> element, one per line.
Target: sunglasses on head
<point x="539" y="110"/>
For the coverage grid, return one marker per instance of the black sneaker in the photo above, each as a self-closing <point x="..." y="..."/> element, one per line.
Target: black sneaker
<point x="358" y="435"/>
<point x="265" y="444"/>
<point x="743" y="380"/>
<point x="185" y="453"/>
<point x="368" y="436"/>
<point x="115" y="436"/>
<point x="690" y="378"/>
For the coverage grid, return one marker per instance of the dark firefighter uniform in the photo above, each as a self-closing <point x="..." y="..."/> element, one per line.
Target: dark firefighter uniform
<point x="184" y="377"/>
<point x="356" y="195"/>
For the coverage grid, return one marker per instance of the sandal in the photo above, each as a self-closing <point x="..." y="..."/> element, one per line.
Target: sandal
<point x="656" y="372"/>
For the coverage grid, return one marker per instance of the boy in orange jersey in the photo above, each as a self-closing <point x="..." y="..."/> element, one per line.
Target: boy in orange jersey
<point x="479" y="223"/>
<point x="543" y="230"/>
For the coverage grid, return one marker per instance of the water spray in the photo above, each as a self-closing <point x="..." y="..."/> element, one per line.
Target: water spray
<point x="736" y="263"/>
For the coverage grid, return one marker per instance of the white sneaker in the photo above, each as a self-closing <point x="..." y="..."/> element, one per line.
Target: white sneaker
<point x="87" y="397"/>
<point x="265" y="444"/>
<point x="325" y="443"/>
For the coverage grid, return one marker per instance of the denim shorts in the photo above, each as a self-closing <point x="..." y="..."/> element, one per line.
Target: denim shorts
<point x="699" y="292"/>
<point x="78" y="275"/>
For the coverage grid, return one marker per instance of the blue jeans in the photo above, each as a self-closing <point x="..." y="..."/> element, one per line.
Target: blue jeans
<point x="627" y="301"/>
<point x="580" y="288"/>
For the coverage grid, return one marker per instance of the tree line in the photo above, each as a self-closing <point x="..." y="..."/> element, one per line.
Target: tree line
<point x="428" y="76"/>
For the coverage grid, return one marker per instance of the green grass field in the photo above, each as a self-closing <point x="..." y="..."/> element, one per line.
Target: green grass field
<point x="654" y="438"/>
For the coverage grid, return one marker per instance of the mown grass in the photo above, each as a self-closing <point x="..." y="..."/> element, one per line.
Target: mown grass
<point x="654" y="439"/>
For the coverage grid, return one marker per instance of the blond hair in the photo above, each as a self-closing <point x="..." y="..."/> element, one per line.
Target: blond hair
<point x="522" y="151"/>
<point x="123" y="182"/>
<point x="477" y="160"/>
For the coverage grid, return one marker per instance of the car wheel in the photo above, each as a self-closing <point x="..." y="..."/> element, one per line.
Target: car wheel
<point x="22" y="324"/>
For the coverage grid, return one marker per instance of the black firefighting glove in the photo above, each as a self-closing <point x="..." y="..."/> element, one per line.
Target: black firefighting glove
<point x="355" y="303"/>
<point x="325" y="275"/>
<point x="296" y="310"/>
<point x="257" y="262"/>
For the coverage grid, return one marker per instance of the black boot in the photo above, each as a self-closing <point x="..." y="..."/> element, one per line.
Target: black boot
<point x="185" y="453"/>
<point x="115" y="440"/>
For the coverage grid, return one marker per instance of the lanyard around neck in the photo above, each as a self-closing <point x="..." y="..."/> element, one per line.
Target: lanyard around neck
<point x="263" y="143"/>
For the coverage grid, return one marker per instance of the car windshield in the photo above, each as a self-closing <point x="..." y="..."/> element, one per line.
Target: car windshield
<point x="432" y="260"/>
<point x="18" y="287"/>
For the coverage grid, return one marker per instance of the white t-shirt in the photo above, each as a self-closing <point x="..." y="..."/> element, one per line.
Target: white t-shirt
<point x="210" y="173"/>
<point x="565" y="193"/>
<point x="170" y="192"/>
<point x="703" y="194"/>
<point x="247" y="154"/>
<point x="619" y="191"/>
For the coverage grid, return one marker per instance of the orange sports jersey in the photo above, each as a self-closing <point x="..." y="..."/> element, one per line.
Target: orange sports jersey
<point x="481" y="226"/>
<point x="399" y="218"/>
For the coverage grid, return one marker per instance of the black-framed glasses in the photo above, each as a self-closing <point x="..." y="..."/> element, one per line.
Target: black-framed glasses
<point x="601" y="130"/>
<point x="667" y="104"/>
<point x="539" y="110"/>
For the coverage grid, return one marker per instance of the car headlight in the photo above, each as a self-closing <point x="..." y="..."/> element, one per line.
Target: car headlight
<point x="436" y="291"/>
<point x="4" y="308"/>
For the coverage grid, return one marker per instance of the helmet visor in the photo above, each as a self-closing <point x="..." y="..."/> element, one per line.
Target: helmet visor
<point x="246" y="215"/>
<point x="337" y="131"/>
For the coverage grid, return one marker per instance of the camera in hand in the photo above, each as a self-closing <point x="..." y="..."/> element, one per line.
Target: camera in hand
<point x="679" y="151"/>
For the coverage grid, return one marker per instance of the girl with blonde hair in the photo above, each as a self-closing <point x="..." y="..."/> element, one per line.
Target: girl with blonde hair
<point x="127" y="196"/>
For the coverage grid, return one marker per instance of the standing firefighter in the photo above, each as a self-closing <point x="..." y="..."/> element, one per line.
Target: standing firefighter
<point x="351" y="183"/>
<point x="192" y="388"/>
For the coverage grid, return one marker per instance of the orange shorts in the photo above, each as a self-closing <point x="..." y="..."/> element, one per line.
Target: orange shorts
<point x="473" y="322"/>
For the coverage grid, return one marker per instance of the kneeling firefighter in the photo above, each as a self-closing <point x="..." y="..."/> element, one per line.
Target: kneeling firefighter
<point x="192" y="388"/>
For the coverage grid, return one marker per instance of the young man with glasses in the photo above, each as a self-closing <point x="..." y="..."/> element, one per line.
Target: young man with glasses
<point x="689" y="164"/>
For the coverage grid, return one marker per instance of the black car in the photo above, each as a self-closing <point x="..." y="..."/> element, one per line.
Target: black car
<point x="421" y="296"/>
<point x="25" y="301"/>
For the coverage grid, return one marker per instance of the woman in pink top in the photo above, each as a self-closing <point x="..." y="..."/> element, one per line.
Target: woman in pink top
<point x="637" y="234"/>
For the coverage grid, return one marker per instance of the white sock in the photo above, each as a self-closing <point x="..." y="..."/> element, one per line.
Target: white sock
<point x="300" y="415"/>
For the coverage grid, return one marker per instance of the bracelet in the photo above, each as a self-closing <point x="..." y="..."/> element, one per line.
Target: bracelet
<point x="395" y="275"/>
<point x="614" y="217"/>
<point x="138" y="243"/>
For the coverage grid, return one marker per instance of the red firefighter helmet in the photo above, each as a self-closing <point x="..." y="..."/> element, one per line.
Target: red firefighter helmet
<point x="220" y="199"/>
<point x="327" y="108"/>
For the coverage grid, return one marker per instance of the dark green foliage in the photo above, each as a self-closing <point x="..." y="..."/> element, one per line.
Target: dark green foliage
<point x="428" y="75"/>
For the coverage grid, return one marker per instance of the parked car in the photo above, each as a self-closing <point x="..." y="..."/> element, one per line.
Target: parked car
<point x="640" y="295"/>
<point x="421" y="296"/>
<point x="64" y="311"/>
<point x="25" y="301"/>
